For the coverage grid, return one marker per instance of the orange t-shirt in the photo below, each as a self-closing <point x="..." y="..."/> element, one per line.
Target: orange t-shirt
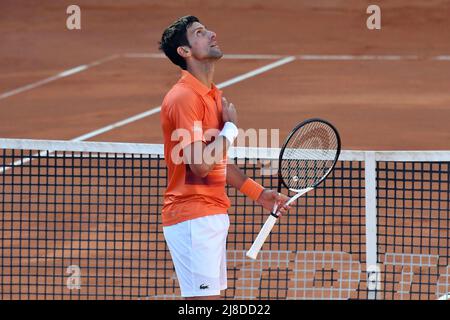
<point x="191" y="112"/>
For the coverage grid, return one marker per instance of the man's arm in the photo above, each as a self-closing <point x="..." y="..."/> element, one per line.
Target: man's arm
<point x="236" y="178"/>
<point x="201" y="157"/>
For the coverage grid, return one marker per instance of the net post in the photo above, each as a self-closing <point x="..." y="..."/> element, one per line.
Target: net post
<point x="373" y="270"/>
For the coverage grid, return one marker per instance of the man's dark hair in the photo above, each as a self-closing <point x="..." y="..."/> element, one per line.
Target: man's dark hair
<point x="175" y="36"/>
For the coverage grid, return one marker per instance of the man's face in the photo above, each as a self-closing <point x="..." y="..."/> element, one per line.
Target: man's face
<point x="203" y="42"/>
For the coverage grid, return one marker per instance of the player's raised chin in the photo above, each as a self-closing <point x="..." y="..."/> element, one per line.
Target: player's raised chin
<point x="203" y="43"/>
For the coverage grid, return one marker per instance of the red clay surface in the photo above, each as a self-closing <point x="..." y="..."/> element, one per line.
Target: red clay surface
<point x="375" y="104"/>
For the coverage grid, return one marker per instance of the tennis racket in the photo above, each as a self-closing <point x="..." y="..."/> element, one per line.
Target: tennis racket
<point x="307" y="157"/>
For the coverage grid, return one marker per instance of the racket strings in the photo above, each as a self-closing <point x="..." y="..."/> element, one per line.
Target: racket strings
<point x="309" y="155"/>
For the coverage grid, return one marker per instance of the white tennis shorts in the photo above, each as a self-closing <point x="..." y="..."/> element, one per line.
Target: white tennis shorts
<point x="198" y="250"/>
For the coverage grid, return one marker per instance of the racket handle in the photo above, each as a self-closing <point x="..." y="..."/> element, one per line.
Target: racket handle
<point x="261" y="238"/>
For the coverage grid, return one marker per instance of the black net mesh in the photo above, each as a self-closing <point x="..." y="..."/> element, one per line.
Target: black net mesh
<point x="87" y="226"/>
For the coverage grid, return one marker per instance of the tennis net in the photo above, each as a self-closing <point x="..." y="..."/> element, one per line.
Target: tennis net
<point x="81" y="220"/>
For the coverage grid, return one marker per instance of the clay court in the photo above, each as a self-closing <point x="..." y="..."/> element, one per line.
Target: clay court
<point x="383" y="89"/>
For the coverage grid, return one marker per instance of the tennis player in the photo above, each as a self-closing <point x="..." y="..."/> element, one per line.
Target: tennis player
<point x="199" y="125"/>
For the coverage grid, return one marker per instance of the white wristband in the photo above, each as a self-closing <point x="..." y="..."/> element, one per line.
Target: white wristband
<point x="229" y="131"/>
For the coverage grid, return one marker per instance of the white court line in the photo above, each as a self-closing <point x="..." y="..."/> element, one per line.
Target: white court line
<point x="306" y="57"/>
<point x="256" y="72"/>
<point x="442" y="58"/>
<point x="158" y="109"/>
<point x="225" y="56"/>
<point x="72" y="71"/>
<point x="60" y="75"/>
<point x="143" y="55"/>
<point x="320" y="57"/>
<point x="118" y="124"/>
<point x="253" y="56"/>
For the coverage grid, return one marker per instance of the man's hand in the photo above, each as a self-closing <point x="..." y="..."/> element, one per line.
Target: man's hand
<point x="229" y="113"/>
<point x="268" y="198"/>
